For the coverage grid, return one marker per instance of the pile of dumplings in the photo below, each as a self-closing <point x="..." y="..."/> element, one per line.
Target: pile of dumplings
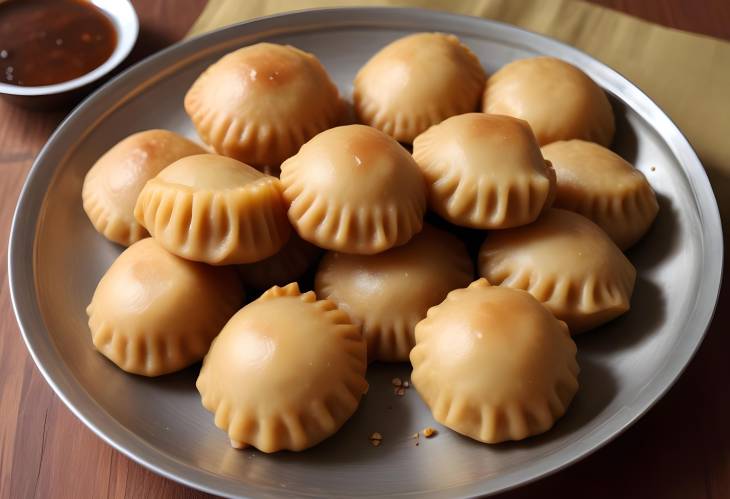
<point x="287" y="192"/>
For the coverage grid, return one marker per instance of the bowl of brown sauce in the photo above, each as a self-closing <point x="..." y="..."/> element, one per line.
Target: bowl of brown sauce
<point x="53" y="52"/>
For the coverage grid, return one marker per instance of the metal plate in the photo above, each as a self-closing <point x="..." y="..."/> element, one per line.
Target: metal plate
<point x="56" y="259"/>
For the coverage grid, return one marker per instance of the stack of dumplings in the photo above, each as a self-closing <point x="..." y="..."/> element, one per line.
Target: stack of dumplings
<point x="333" y="251"/>
<point x="112" y="185"/>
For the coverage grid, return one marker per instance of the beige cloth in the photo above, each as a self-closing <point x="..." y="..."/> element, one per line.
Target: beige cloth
<point x="688" y="75"/>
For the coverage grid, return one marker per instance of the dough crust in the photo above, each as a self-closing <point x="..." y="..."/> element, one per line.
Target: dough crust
<point x="260" y="103"/>
<point x="599" y="184"/>
<point x="354" y="189"/>
<point x="112" y="185"/>
<point x="484" y="171"/>
<point x="417" y="81"/>
<point x="493" y="364"/>
<point x="288" y="265"/>
<point x="214" y="209"/>
<point x="558" y="100"/>
<point x="389" y="293"/>
<point x="286" y="372"/>
<point x="154" y="313"/>
<point x="565" y="261"/>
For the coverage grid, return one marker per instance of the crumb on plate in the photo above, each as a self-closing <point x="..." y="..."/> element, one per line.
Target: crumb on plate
<point x="376" y="439"/>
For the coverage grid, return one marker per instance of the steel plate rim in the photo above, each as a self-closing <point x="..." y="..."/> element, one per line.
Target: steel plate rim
<point x="109" y="430"/>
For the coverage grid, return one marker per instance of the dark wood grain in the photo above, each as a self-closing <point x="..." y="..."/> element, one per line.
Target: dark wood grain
<point x="681" y="448"/>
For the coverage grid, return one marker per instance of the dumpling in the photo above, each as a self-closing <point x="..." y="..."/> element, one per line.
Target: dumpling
<point x="286" y="372"/>
<point x="260" y="103"/>
<point x="417" y="81"/>
<point x="112" y="185"/>
<point x="599" y="184"/>
<point x="214" y="209"/>
<point x="493" y="364"/>
<point x="288" y="265"/>
<point x="389" y="293"/>
<point x="565" y="261"/>
<point x="354" y="189"/>
<point x="484" y="171"/>
<point x="558" y="100"/>
<point x="154" y="313"/>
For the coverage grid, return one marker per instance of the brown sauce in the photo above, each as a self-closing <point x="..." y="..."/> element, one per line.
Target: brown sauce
<point x="43" y="42"/>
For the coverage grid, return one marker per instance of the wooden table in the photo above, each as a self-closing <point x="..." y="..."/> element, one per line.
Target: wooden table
<point x="681" y="448"/>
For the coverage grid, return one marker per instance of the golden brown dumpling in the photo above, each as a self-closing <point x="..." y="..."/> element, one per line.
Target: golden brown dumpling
<point x="288" y="265"/>
<point x="558" y="100"/>
<point x="214" y="209"/>
<point x="112" y="185"/>
<point x="565" y="261"/>
<point x="390" y="292"/>
<point x="493" y="364"/>
<point x="484" y="171"/>
<point x="599" y="184"/>
<point x="286" y="372"/>
<point x="354" y="189"/>
<point x="260" y="103"/>
<point x="417" y="81"/>
<point x="154" y="313"/>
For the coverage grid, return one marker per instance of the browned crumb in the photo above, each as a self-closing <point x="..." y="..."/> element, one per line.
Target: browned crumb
<point x="429" y="432"/>
<point x="400" y="391"/>
<point x="238" y="445"/>
<point x="376" y="439"/>
<point x="396" y="382"/>
<point x="653" y="168"/>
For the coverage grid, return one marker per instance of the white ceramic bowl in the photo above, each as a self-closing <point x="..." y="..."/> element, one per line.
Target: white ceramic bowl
<point x="125" y="22"/>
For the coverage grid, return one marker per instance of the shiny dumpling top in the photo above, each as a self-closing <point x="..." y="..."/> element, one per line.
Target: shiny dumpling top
<point x="558" y="100"/>
<point x="417" y="81"/>
<point x="484" y="171"/>
<point x="354" y="189"/>
<point x="260" y="103"/>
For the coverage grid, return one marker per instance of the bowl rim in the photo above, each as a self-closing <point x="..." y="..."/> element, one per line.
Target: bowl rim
<point x="124" y="18"/>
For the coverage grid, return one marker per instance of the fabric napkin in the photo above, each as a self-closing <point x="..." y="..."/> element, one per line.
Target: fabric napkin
<point x="687" y="75"/>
